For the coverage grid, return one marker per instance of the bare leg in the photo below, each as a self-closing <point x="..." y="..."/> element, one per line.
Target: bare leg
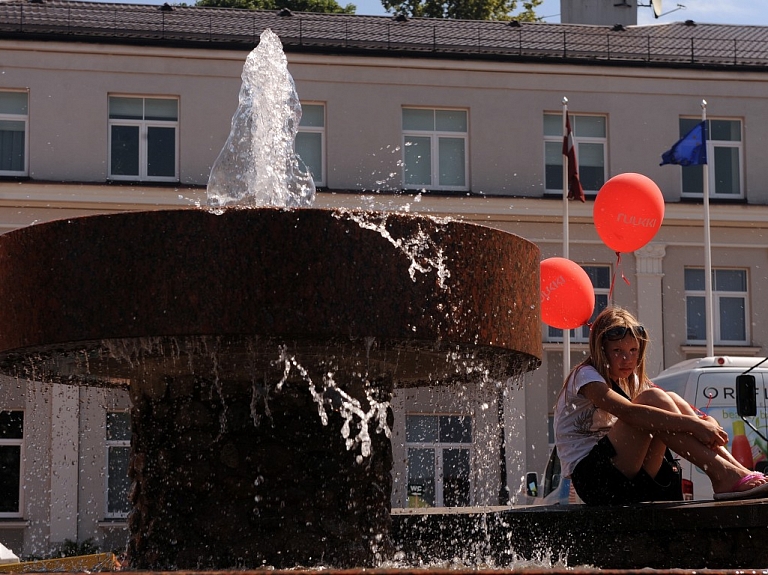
<point x="686" y="409"/>
<point x="636" y="449"/>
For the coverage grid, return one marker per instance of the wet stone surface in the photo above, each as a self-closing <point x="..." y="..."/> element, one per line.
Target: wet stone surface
<point x="212" y="489"/>
<point x="685" y="535"/>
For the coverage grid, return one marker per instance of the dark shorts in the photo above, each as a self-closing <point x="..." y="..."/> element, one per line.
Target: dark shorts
<point x="598" y="482"/>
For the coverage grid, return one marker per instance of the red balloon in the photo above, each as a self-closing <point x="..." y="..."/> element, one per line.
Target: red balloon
<point x="628" y="212"/>
<point x="567" y="295"/>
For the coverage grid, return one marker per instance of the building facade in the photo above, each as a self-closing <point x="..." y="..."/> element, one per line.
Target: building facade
<point x="107" y="108"/>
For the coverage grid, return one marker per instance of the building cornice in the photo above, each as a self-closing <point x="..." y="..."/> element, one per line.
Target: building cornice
<point x="475" y="208"/>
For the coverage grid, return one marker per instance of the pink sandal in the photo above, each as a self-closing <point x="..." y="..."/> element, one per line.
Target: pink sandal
<point x="753" y="493"/>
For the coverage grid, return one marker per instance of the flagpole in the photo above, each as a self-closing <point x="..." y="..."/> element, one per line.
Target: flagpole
<point x="707" y="252"/>
<point x="566" y="241"/>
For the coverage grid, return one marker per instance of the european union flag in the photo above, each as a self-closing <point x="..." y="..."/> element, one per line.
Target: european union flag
<point x="690" y="150"/>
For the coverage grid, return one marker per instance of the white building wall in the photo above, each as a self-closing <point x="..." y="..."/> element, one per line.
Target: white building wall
<point x="506" y="102"/>
<point x="649" y="274"/>
<point x="521" y="422"/>
<point x="65" y="444"/>
<point x="108" y="534"/>
<point x="37" y="468"/>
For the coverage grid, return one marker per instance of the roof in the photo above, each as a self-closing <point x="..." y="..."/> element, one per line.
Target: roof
<point x="680" y="44"/>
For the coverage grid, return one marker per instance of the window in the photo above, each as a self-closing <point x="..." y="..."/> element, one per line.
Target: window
<point x="439" y="449"/>
<point x="724" y="160"/>
<point x="11" y="461"/>
<point x="14" y="122"/>
<point x="729" y="303"/>
<point x="310" y="140"/>
<point x="118" y="455"/>
<point x="589" y="133"/>
<point x="435" y="149"/>
<point x="143" y="139"/>
<point x="601" y="282"/>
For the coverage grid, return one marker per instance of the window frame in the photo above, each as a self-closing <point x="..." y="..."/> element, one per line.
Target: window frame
<point x="602" y="300"/>
<point x="9" y="117"/>
<point x="143" y="125"/>
<point x="579" y="140"/>
<point x="438" y="448"/>
<point x="321" y="181"/>
<point x="109" y="444"/>
<point x="434" y="136"/>
<point x="16" y="442"/>
<point x="711" y="165"/>
<point x="717" y="295"/>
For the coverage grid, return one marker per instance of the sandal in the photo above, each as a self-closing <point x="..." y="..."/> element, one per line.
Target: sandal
<point x="760" y="490"/>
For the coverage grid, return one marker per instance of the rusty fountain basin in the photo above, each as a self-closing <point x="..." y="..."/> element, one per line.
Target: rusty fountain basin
<point x="233" y="331"/>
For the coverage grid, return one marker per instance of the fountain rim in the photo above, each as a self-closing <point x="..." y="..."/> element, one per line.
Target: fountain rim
<point x="29" y="258"/>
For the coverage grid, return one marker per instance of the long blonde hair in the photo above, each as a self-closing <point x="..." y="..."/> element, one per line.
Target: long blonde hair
<point x="613" y="317"/>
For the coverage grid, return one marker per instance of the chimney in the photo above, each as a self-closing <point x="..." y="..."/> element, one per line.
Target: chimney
<point x="599" y="12"/>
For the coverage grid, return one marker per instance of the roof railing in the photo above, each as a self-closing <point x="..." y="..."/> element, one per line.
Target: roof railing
<point x="446" y="37"/>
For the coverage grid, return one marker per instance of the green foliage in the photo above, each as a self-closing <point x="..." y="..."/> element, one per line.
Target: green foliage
<point x="72" y="548"/>
<point x="327" y="6"/>
<point x="465" y="9"/>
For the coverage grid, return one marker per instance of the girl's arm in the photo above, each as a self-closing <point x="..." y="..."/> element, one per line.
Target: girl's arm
<point x="650" y="419"/>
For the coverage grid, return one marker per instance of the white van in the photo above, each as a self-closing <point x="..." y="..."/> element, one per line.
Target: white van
<point x="710" y="385"/>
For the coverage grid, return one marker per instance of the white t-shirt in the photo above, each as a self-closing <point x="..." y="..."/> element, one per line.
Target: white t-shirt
<point x="579" y="425"/>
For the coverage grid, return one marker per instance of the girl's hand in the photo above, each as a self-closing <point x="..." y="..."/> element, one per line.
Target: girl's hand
<point x="710" y="433"/>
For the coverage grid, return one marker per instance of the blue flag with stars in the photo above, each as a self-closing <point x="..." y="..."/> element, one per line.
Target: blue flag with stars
<point x="690" y="150"/>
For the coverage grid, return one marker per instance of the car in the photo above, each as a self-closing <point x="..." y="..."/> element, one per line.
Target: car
<point x="555" y="489"/>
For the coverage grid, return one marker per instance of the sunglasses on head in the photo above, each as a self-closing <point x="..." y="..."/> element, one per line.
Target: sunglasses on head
<point x="620" y="332"/>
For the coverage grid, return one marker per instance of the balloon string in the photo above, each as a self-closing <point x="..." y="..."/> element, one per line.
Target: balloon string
<point x="613" y="278"/>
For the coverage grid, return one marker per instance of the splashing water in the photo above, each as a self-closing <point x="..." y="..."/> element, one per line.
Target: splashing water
<point x="351" y="410"/>
<point x="258" y="165"/>
<point x="422" y="251"/>
<point x="360" y="418"/>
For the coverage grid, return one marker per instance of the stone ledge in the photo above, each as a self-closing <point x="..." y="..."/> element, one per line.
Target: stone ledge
<point x="686" y="535"/>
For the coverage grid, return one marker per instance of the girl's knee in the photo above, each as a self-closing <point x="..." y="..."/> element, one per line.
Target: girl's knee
<point x="682" y="405"/>
<point x="657" y="397"/>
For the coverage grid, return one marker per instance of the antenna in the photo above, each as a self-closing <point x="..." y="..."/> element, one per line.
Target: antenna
<point x="656" y="5"/>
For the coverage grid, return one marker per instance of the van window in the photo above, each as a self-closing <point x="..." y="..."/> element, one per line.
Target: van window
<point x="674" y="383"/>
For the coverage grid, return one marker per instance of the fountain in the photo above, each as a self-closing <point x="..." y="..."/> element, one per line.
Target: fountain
<point x="261" y="340"/>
